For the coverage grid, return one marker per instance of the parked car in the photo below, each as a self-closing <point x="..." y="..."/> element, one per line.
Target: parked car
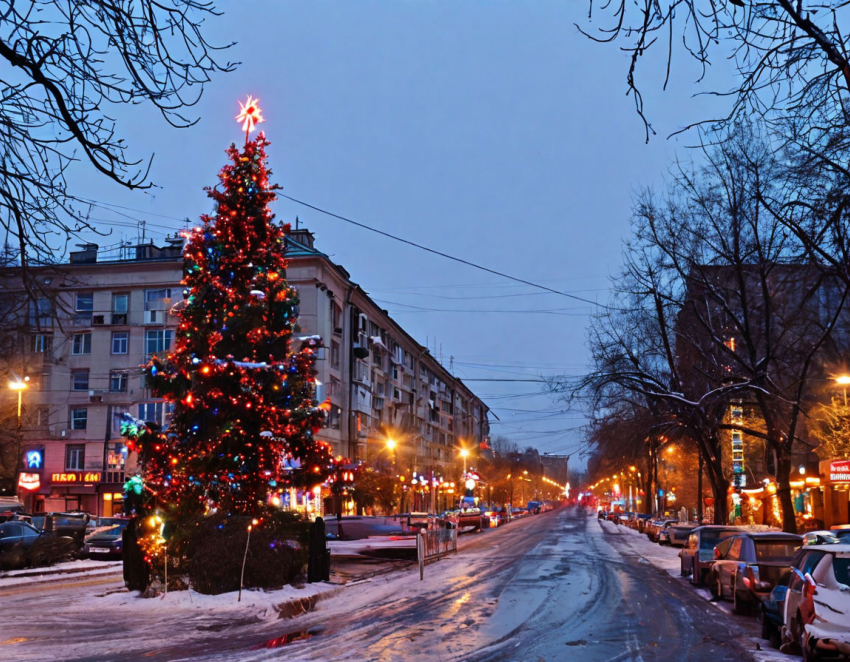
<point x="773" y="610"/>
<point x="22" y="544"/>
<point x="678" y="533"/>
<point x="841" y="532"/>
<point x="355" y="527"/>
<point x="105" y="542"/>
<point x="698" y="552"/>
<point x="748" y="565"/>
<point x="662" y="532"/>
<point x="14" y="533"/>
<point x="817" y="604"/>
<point x="820" y="538"/>
<point x="72" y="525"/>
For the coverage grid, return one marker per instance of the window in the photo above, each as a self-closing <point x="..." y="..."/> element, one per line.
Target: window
<point x="79" y="419"/>
<point x="83" y="309"/>
<point x="158" y="340"/>
<point x="334" y="354"/>
<point x="117" y="382"/>
<point x="41" y="313"/>
<point x="75" y="455"/>
<point x="335" y="387"/>
<point x="775" y="550"/>
<point x="81" y="343"/>
<point x="334" y="416"/>
<point x="336" y="312"/>
<point x="156" y="412"/>
<point x="80" y="380"/>
<point x="120" y="340"/>
<point x="41" y="343"/>
<point x="120" y="303"/>
<point x="116" y="417"/>
<point x="85" y="303"/>
<point x="120" y="306"/>
<point x="153" y="298"/>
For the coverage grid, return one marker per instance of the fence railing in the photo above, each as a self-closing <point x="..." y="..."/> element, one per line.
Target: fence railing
<point x="434" y="543"/>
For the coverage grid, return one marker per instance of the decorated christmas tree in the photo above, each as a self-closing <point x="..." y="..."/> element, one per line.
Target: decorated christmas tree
<point x="241" y="385"/>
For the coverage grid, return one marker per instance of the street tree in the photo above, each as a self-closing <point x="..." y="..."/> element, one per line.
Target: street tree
<point x="830" y="425"/>
<point x="752" y="324"/>
<point x="69" y="66"/>
<point x="790" y="55"/>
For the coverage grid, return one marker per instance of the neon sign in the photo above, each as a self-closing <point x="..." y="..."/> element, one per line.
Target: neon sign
<point x="76" y="477"/>
<point x="29" y="482"/>
<point x="839" y="471"/>
<point x="35" y="459"/>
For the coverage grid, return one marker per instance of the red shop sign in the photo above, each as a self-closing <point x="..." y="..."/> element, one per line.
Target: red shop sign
<point x="839" y="471"/>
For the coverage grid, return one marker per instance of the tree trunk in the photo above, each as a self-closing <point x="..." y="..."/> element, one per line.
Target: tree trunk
<point x="719" y="484"/>
<point x="783" y="491"/>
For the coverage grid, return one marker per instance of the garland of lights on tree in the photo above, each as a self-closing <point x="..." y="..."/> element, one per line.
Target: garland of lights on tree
<point x="244" y="414"/>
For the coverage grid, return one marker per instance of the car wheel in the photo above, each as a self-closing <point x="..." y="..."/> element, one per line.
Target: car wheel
<point x="810" y="653"/>
<point x="775" y="637"/>
<point x="714" y="586"/>
<point x="766" y="626"/>
<point x="739" y="605"/>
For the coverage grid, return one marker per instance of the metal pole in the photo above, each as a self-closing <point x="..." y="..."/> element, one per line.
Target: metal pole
<point x="244" y="559"/>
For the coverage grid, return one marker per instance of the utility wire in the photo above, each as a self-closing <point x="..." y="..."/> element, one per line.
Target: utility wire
<point x="440" y="253"/>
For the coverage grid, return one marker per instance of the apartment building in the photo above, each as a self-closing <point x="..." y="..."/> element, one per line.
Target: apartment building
<point x="382" y="384"/>
<point x="100" y="317"/>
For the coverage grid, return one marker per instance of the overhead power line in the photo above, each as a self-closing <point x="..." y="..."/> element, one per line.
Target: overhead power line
<point x="440" y="253"/>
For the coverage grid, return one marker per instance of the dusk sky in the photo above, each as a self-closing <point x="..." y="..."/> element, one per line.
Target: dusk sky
<point x="491" y="131"/>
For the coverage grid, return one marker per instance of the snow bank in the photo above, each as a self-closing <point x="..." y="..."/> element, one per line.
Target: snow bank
<point x="262" y="603"/>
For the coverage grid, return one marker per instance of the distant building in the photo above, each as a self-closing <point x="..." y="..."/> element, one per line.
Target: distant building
<point x="101" y="316"/>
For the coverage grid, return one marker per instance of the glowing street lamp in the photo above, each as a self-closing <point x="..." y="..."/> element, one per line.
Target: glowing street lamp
<point x="19" y="386"/>
<point x="843" y="380"/>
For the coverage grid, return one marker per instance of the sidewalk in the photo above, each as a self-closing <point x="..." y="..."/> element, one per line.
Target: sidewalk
<point x="83" y="568"/>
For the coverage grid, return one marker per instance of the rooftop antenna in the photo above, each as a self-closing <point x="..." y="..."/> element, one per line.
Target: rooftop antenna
<point x="296" y="222"/>
<point x="452" y="365"/>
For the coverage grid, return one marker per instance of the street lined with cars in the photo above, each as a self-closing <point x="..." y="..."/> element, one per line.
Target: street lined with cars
<point x="798" y="587"/>
<point x="554" y="586"/>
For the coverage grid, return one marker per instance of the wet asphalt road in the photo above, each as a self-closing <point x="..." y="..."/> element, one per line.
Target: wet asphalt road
<point x="559" y="586"/>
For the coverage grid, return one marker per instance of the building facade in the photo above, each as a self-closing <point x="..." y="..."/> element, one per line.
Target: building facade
<point x="80" y="344"/>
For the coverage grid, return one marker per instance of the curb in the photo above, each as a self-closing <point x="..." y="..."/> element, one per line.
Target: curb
<point x="78" y="575"/>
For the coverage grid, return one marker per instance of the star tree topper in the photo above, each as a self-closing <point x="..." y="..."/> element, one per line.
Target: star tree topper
<point x="249" y="115"/>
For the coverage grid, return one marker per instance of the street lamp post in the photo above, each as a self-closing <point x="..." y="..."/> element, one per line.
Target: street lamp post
<point x="19" y="386"/>
<point x="464" y="454"/>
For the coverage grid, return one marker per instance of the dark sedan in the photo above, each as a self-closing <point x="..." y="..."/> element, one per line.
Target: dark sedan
<point x="106" y="543"/>
<point x="17" y="533"/>
<point x="749" y="565"/>
<point x="21" y="544"/>
<point x="698" y="553"/>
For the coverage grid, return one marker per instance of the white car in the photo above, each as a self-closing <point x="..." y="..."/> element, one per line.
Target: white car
<point x="817" y="604"/>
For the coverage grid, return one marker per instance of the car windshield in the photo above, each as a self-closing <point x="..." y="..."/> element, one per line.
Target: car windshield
<point x="708" y="539"/>
<point x="775" y="550"/>
<point x="109" y="533"/>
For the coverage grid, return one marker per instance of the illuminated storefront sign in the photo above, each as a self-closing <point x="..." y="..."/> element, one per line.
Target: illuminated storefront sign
<point x="77" y="477"/>
<point x="29" y="482"/>
<point x="35" y="459"/>
<point x="839" y="471"/>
